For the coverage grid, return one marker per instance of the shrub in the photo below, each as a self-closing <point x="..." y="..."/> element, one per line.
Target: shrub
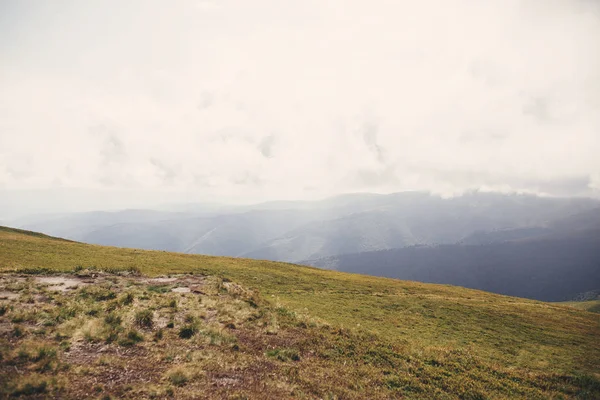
<point x="187" y="331"/>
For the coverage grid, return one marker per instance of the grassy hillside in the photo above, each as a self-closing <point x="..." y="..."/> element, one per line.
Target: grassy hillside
<point x="591" y="305"/>
<point x="275" y="330"/>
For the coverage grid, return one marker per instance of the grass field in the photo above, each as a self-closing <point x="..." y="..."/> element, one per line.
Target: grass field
<point x="274" y="330"/>
<point x="591" y="305"/>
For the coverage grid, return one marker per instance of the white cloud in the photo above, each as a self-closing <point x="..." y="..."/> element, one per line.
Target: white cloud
<point x="347" y="96"/>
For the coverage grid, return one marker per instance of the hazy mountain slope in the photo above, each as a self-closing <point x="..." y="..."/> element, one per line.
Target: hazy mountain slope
<point x="230" y="234"/>
<point x="406" y="219"/>
<point x="273" y="330"/>
<point x="551" y="268"/>
<point x="585" y="220"/>
<point x="149" y="236"/>
<point x="233" y="235"/>
<point x="504" y="235"/>
<point x="77" y="225"/>
<point x="362" y="231"/>
<point x="293" y="231"/>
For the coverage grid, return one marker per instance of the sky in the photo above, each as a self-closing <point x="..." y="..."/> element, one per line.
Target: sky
<point x="140" y="102"/>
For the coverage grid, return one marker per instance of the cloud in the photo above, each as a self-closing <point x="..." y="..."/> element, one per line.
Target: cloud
<point x="266" y="145"/>
<point x="273" y="99"/>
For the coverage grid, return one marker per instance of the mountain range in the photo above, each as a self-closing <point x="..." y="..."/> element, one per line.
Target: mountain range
<point x="509" y="244"/>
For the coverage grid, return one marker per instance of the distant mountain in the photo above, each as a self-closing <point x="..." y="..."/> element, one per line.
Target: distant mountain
<point x="228" y="235"/>
<point x="300" y="230"/>
<point x="587" y="296"/>
<point x="554" y="265"/>
<point x="408" y="219"/>
<point x="504" y="235"/>
<point x="77" y="225"/>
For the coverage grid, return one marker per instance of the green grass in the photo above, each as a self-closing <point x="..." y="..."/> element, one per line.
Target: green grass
<point x="321" y="334"/>
<point x="4" y="229"/>
<point x="590" y="305"/>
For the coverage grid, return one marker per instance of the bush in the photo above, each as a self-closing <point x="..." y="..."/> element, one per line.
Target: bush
<point x="187" y="331"/>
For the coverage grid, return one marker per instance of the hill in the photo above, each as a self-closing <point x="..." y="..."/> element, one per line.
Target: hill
<point x="589" y="305"/>
<point x="589" y="301"/>
<point x="237" y="328"/>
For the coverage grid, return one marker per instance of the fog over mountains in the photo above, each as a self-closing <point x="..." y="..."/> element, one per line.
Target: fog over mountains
<point x="552" y="263"/>
<point x="522" y="245"/>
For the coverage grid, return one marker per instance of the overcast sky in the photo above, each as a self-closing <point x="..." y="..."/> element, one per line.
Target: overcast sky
<point x="235" y="100"/>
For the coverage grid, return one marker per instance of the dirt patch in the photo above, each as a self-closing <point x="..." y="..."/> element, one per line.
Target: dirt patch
<point x="5" y="295"/>
<point x="60" y="283"/>
<point x="162" y="280"/>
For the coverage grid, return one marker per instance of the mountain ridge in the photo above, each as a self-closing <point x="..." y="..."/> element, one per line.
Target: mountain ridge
<point x="313" y="229"/>
<point x="552" y="266"/>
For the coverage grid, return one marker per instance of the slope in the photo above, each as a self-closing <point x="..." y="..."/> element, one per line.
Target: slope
<point x="551" y="264"/>
<point x="590" y="305"/>
<point x="309" y="333"/>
